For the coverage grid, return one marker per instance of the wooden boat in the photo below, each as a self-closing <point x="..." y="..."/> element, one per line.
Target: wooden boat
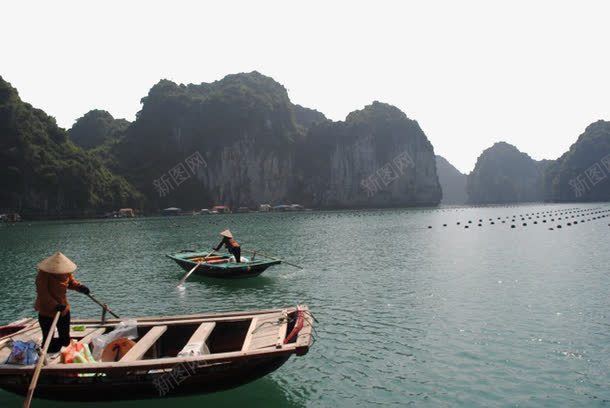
<point x="219" y="266"/>
<point x="238" y="347"/>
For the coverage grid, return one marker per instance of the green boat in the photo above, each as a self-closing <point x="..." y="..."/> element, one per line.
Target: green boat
<point x="222" y="266"/>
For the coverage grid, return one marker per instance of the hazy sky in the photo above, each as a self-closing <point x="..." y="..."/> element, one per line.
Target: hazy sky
<point x="532" y="73"/>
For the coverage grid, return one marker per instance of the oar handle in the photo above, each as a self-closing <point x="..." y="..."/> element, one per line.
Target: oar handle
<point x="47" y="343"/>
<point x="103" y="305"/>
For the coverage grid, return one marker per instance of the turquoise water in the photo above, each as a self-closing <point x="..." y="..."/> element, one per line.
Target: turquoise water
<point x="441" y="316"/>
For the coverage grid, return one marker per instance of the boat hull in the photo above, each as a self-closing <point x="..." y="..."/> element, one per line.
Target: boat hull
<point x="227" y="271"/>
<point x="235" y="348"/>
<point x="201" y="380"/>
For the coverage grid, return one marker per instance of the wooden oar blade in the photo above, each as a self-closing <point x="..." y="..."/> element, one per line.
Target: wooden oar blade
<point x="193" y="270"/>
<point x="188" y="274"/>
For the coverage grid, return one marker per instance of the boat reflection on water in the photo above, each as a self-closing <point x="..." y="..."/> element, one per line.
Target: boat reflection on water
<point x="261" y="393"/>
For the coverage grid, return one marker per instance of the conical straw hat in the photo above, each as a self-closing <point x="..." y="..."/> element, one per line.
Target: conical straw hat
<point x="226" y="233"/>
<point x="57" y="264"/>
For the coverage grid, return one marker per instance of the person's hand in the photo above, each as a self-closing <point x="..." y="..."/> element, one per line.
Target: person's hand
<point x="60" y="308"/>
<point x="83" y="289"/>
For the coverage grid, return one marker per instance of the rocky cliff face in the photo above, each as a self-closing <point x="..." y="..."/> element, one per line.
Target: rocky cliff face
<point x="306" y="118"/>
<point x="245" y="175"/>
<point x="229" y="142"/>
<point x="452" y="181"/>
<point x="377" y="157"/>
<point x="583" y="172"/>
<point x="254" y="146"/>
<point x="503" y="174"/>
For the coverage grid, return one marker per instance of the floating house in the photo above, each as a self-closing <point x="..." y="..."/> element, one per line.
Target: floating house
<point x="126" y="213"/>
<point x="221" y="209"/>
<point x="10" y="217"/>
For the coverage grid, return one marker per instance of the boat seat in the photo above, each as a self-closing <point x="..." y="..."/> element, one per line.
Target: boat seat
<point x="266" y="330"/>
<point x="197" y="343"/>
<point x="144" y="344"/>
<point x="92" y="335"/>
<point x="217" y="261"/>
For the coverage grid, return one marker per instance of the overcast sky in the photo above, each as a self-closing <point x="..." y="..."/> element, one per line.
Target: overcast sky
<point x="531" y="73"/>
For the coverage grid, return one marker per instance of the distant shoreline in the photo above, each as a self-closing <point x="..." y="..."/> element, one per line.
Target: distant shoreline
<point x="158" y="214"/>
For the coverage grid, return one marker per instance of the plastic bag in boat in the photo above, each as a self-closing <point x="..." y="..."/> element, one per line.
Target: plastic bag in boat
<point x="76" y="353"/>
<point x="242" y="259"/>
<point x="23" y="353"/>
<point x="128" y="329"/>
<point x="194" y="349"/>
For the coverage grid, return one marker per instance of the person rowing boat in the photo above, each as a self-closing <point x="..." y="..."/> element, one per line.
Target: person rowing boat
<point x="231" y="244"/>
<point x="53" y="279"/>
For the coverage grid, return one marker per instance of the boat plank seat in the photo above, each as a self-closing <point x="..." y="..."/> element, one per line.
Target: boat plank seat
<point x="203" y="332"/>
<point x="264" y="331"/>
<point x="200" y="336"/>
<point x="282" y="331"/>
<point x="92" y="335"/>
<point x="144" y="344"/>
<point x="248" y="339"/>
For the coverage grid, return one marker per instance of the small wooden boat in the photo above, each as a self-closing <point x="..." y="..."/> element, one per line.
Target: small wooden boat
<point x="234" y="349"/>
<point x="220" y="266"/>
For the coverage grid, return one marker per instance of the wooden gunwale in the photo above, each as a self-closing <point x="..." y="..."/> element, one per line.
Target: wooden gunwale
<point x="177" y="318"/>
<point x="140" y="365"/>
<point x="225" y="265"/>
<point x="31" y="325"/>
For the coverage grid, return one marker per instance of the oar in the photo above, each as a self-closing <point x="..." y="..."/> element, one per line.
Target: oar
<point x="103" y="305"/>
<point x="47" y="343"/>
<point x="193" y="270"/>
<point x="270" y="257"/>
<point x="188" y="274"/>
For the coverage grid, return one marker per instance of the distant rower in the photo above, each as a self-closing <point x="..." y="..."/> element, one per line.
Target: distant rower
<point x="231" y="245"/>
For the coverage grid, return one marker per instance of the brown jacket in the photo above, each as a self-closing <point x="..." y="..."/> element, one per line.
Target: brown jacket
<point x="51" y="291"/>
<point x="228" y="243"/>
